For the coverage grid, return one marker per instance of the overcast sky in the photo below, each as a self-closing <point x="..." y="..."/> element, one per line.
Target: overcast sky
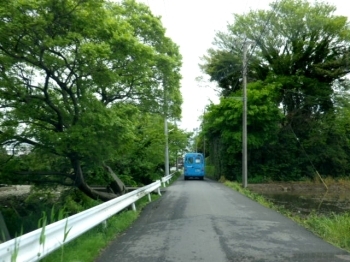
<point x="192" y="24"/>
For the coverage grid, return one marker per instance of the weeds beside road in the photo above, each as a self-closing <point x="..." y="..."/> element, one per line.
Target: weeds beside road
<point x="334" y="228"/>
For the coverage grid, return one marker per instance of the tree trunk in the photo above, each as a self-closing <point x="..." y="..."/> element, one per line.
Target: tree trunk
<point x="81" y="184"/>
<point x="116" y="185"/>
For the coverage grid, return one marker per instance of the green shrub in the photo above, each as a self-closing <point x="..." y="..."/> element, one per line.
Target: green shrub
<point x="210" y="171"/>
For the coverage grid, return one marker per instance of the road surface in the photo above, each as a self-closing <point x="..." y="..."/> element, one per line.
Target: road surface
<point x="208" y="222"/>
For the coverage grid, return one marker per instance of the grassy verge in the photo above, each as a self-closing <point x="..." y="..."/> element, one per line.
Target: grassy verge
<point x="89" y="245"/>
<point x="334" y="229"/>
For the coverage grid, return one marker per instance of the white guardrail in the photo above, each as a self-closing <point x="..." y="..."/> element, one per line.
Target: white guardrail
<point x="166" y="179"/>
<point x="39" y="243"/>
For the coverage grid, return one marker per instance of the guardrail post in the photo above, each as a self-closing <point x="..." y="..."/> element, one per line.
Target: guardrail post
<point x="159" y="191"/>
<point x="133" y="206"/>
<point x="149" y="198"/>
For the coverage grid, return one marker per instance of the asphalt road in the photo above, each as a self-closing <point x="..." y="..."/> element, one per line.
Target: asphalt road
<point x="206" y="221"/>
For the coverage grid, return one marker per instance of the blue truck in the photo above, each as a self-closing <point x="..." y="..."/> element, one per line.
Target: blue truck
<point x="194" y="166"/>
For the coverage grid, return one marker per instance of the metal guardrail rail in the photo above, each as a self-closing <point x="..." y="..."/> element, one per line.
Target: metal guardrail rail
<point x="166" y="180"/>
<point x="35" y="245"/>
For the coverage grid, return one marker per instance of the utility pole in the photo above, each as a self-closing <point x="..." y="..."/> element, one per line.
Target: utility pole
<point x="176" y="151"/>
<point x="244" y="121"/>
<point x="203" y="146"/>
<point x="195" y="138"/>
<point x="166" y="151"/>
<point x="203" y="135"/>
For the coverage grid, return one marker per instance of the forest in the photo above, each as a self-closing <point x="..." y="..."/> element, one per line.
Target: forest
<point x="298" y="100"/>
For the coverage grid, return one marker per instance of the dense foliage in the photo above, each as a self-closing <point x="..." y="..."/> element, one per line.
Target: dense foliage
<point x="82" y="88"/>
<point x="298" y="100"/>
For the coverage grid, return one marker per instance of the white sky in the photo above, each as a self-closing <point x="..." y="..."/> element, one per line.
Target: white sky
<point x="192" y="24"/>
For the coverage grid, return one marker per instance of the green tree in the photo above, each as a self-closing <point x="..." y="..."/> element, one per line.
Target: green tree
<point x="303" y="50"/>
<point x="223" y="126"/>
<point x="75" y="75"/>
<point x="144" y="158"/>
<point x="304" y="46"/>
<point x="179" y="140"/>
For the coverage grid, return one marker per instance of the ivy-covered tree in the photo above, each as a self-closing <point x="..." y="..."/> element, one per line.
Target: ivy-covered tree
<point x="75" y="75"/>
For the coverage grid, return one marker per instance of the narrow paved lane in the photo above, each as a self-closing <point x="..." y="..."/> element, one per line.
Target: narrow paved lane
<point x="206" y="221"/>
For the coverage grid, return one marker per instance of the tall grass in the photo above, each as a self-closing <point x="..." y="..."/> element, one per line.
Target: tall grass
<point x="334" y="228"/>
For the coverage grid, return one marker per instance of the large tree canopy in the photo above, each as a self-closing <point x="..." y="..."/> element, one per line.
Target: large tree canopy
<point x="74" y="75"/>
<point x="302" y="50"/>
<point x="305" y="45"/>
